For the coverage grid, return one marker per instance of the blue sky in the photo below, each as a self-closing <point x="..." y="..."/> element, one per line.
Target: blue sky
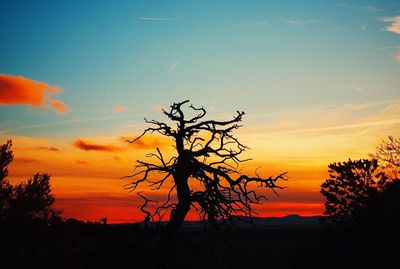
<point x="257" y="56"/>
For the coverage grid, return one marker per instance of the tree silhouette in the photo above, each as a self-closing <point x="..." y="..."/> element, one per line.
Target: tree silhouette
<point x="25" y="201"/>
<point x="6" y="189"/>
<point x="388" y="155"/>
<point x="351" y="186"/>
<point x="33" y="199"/>
<point x="207" y="153"/>
<point x="383" y="210"/>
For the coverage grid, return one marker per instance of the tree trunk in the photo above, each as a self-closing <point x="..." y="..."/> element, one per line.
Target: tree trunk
<point x="167" y="256"/>
<point x="179" y="213"/>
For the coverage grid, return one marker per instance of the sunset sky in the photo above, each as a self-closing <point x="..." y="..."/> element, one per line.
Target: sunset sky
<point x="319" y="82"/>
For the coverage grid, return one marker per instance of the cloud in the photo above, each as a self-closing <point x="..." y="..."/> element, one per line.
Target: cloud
<point x="253" y="24"/>
<point x="368" y="8"/>
<point x="297" y="22"/>
<point x="157" y="19"/>
<point x="157" y="107"/>
<point x="120" y="108"/>
<point x="364" y="27"/>
<point x="395" y="24"/>
<point x="88" y="145"/>
<point x="172" y="66"/>
<point x="48" y="148"/>
<point x="121" y="159"/>
<point x="396" y="54"/>
<point x="147" y="142"/>
<point x="350" y="87"/>
<point x="82" y="162"/>
<point x="18" y="90"/>
<point x="26" y="160"/>
<point x="377" y="123"/>
<point x="397" y="57"/>
<point x="65" y="122"/>
<point x="390" y="48"/>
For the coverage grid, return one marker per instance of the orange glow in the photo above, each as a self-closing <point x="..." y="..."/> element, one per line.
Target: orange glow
<point x="86" y="176"/>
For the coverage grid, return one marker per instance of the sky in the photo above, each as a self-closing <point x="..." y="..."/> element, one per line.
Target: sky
<point x="319" y="82"/>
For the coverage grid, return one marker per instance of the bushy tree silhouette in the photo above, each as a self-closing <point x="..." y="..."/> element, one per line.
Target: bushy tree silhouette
<point x="25" y="201"/>
<point x="351" y="186"/>
<point x="6" y="189"/>
<point x="382" y="211"/>
<point x="362" y="209"/>
<point x="207" y="153"/>
<point x="33" y="199"/>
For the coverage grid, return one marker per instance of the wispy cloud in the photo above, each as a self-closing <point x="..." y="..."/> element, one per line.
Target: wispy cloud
<point x="173" y="66"/>
<point x="368" y="8"/>
<point x="157" y="19"/>
<point x="146" y="142"/>
<point x="72" y="121"/>
<point x="252" y="24"/>
<point x="390" y="48"/>
<point x="120" y="108"/>
<point x="394" y="27"/>
<point x="157" y="107"/>
<point x="351" y="87"/>
<point x="18" y="90"/>
<point x="381" y="122"/>
<point x="54" y="149"/>
<point x="323" y="133"/>
<point x="299" y="22"/>
<point x="82" y="162"/>
<point x="364" y="27"/>
<point x="89" y="145"/>
<point x="397" y="57"/>
<point x="26" y="160"/>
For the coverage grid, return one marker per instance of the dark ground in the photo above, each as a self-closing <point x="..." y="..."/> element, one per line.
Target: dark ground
<point x="75" y="244"/>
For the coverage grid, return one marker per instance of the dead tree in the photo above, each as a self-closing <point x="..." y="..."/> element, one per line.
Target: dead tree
<point x="206" y="152"/>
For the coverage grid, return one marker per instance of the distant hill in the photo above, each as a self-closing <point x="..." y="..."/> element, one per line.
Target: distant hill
<point x="290" y="220"/>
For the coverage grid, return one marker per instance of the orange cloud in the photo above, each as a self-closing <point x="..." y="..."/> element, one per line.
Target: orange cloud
<point x="147" y="142"/>
<point x="88" y="145"/>
<point x="395" y="24"/>
<point x="83" y="162"/>
<point x="26" y="160"/>
<point x="47" y="148"/>
<point x="120" y="108"/>
<point x="157" y="107"/>
<point x="23" y="91"/>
